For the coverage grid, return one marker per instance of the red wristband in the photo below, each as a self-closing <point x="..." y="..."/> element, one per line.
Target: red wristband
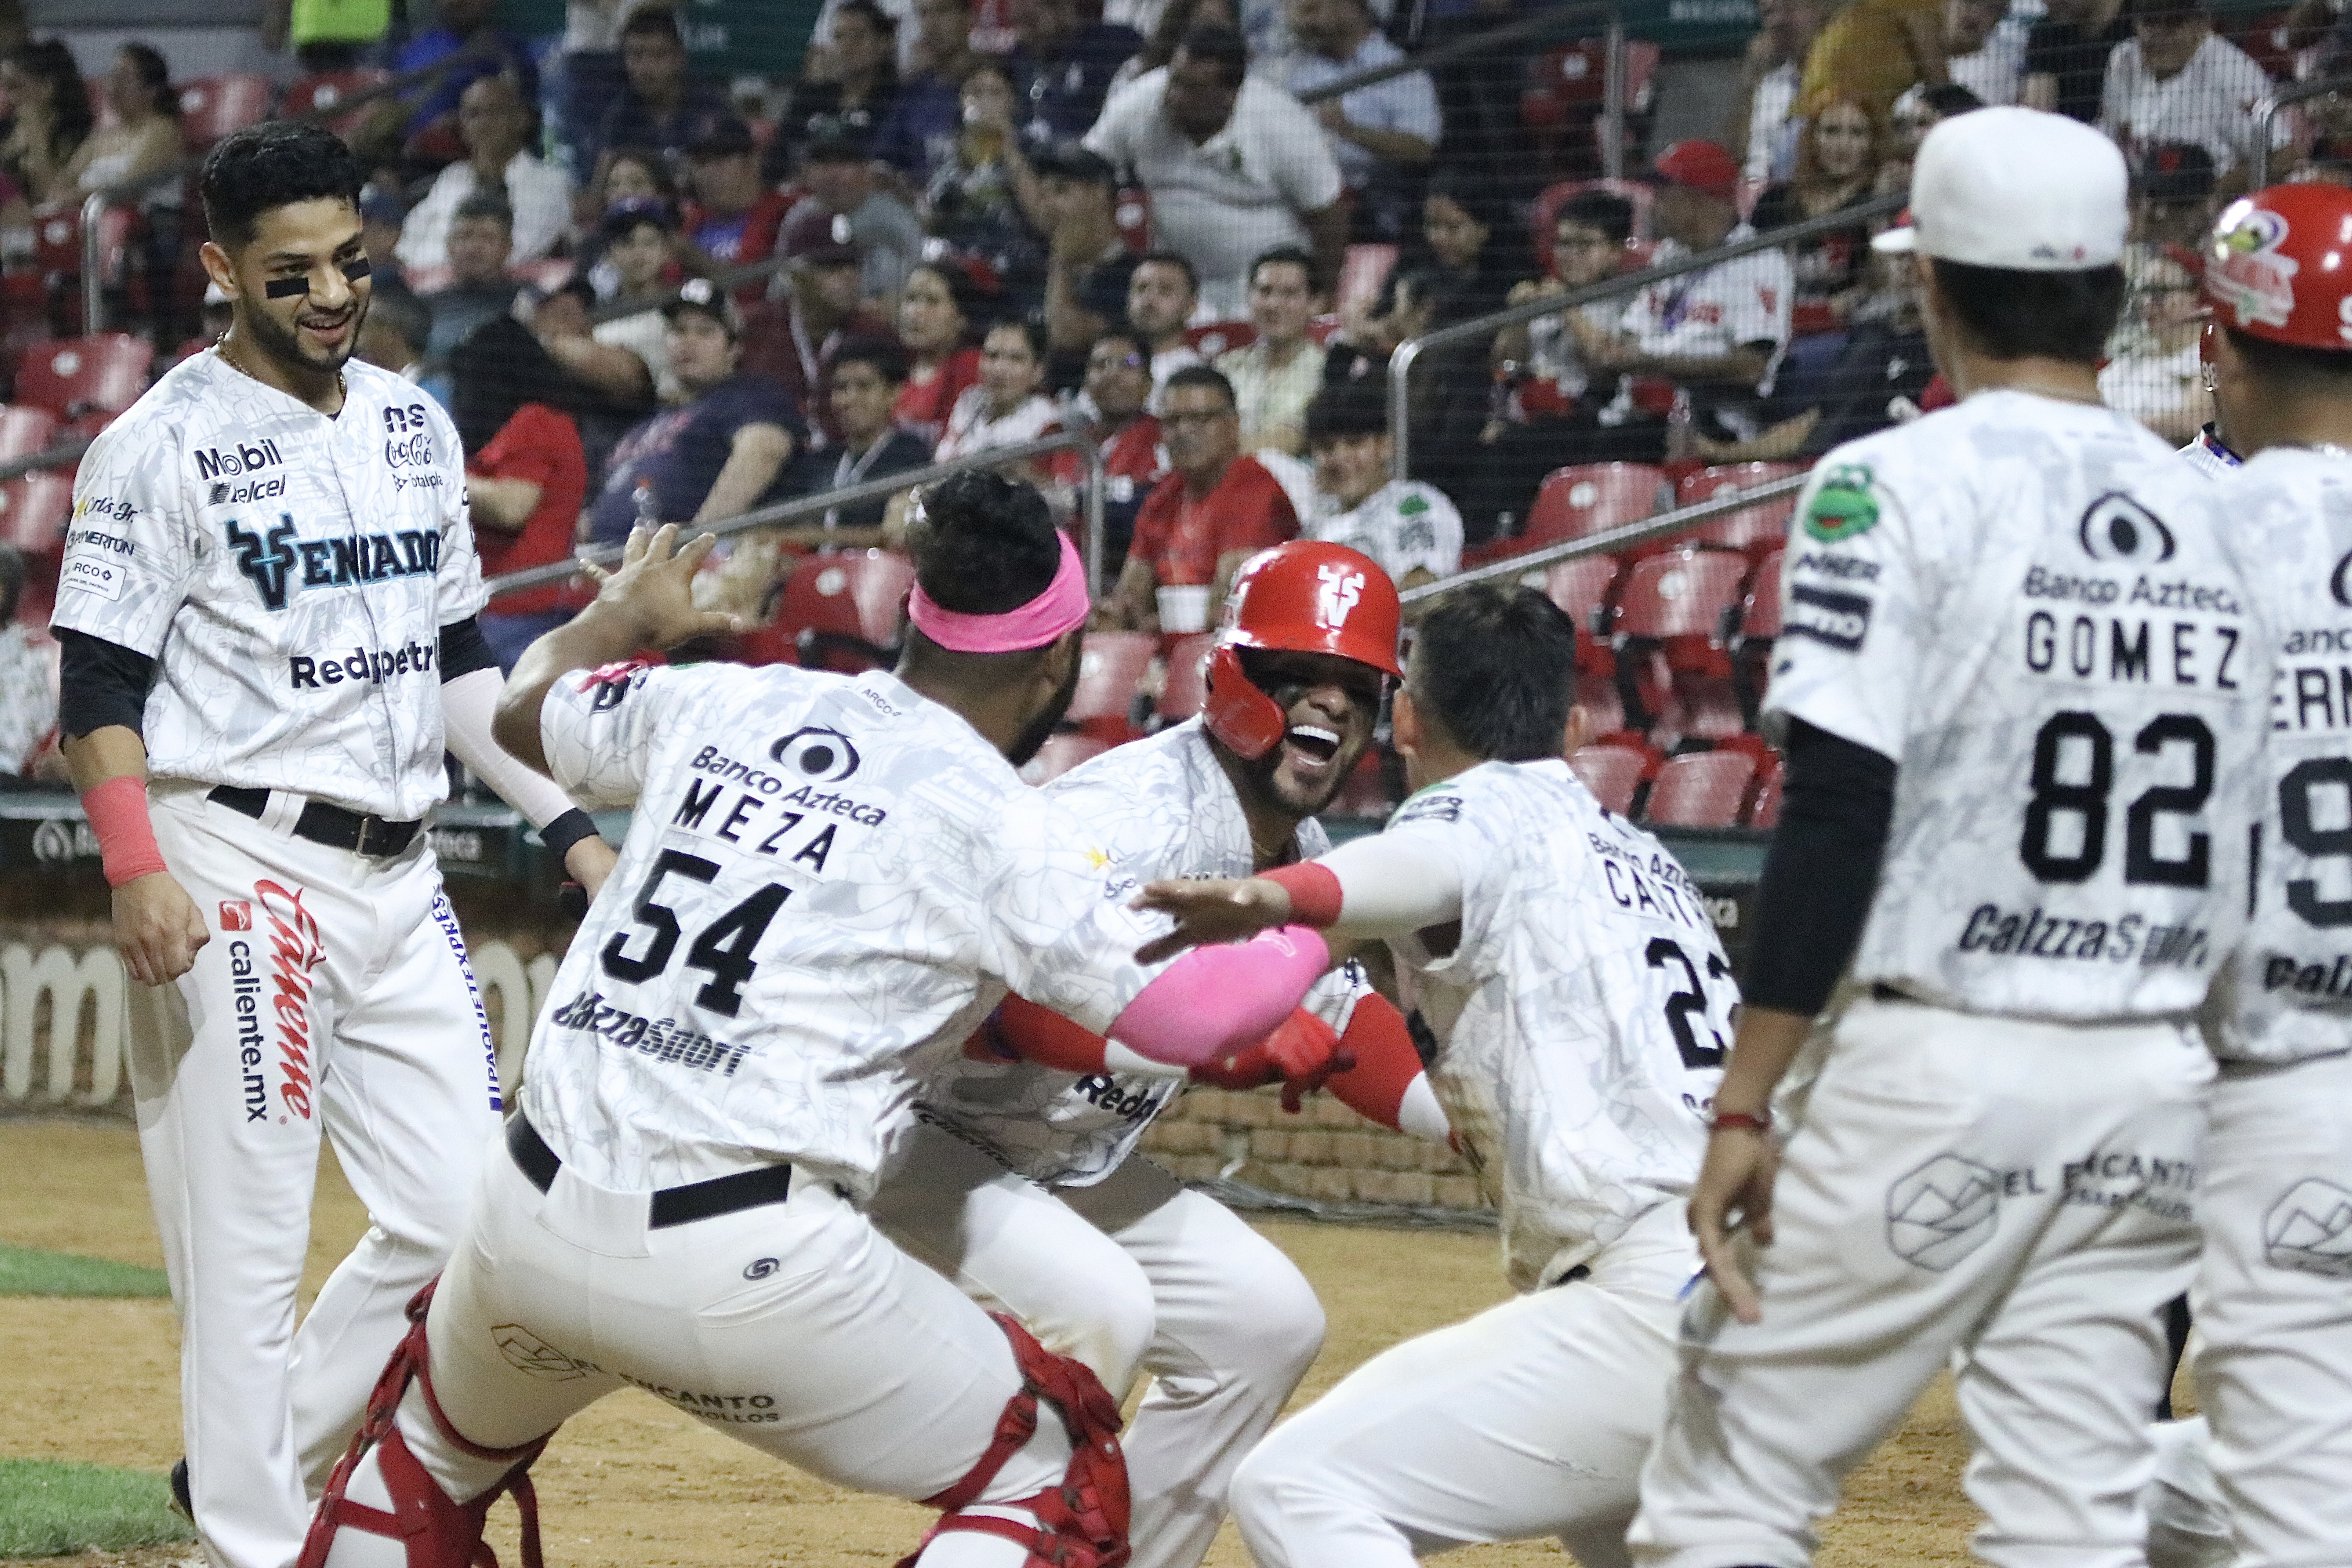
<point x="1740" y="1121"/>
<point x="1314" y="892"/>
<point x="117" y="810"/>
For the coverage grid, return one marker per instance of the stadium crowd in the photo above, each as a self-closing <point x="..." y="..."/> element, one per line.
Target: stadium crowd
<point x="645" y="295"/>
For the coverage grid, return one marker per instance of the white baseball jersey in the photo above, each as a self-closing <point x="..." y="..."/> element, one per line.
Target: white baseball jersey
<point x="826" y="885"/>
<point x="2287" y="992"/>
<point x="1705" y="314"/>
<point x="2209" y="456"/>
<point x="1158" y="808"/>
<point x="290" y="574"/>
<point x="1403" y="525"/>
<point x="2030" y="607"/>
<point x="1580" y="1016"/>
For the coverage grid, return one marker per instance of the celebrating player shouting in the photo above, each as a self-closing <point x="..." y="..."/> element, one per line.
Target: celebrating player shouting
<point x="827" y="884"/>
<point x="2274" y="1376"/>
<point x="1572" y="978"/>
<point x="2025" y="689"/>
<point x="1021" y="1184"/>
<point x="267" y="611"/>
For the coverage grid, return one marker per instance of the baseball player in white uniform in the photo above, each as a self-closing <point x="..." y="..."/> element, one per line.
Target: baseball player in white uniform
<point x="2274" y="1370"/>
<point x="267" y="609"/>
<point x="2024" y="686"/>
<point x="827" y="884"/>
<point x="2212" y="453"/>
<point x="1020" y="1180"/>
<point x="1571" y="977"/>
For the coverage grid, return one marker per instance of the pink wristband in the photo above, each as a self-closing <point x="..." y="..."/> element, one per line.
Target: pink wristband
<point x="1214" y="1000"/>
<point x="1314" y="889"/>
<point x="117" y="810"/>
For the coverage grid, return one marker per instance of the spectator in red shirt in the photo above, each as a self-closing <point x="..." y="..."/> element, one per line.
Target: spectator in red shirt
<point x="1118" y="384"/>
<point x="734" y="217"/>
<point x="1217" y="509"/>
<point x="937" y="311"/>
<point x="526" y="480"/>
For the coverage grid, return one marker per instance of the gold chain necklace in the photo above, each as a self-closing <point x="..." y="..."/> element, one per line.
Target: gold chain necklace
<point x="221" y="346"/>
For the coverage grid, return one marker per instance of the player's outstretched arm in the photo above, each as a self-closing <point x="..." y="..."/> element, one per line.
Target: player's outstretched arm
<point x="157" y="927"/>
<point x="648" y="603"/>
<point x="1384" y="884"/>
<point x="1735" y="1184"/>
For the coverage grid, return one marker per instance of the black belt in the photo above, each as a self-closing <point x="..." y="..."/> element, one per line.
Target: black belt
<point x="671" y="1206"/>
<point x="328" y="824"/>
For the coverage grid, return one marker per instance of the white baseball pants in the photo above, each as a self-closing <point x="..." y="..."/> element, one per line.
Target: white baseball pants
<point x="1529" y="1419"/>
<point x="2009" y="1197"/>
<point x="795" y="1327"/>
<point x="333" y="998"/>
<point x="2274" y="1307"/>
<point x="1132" y="1272"/>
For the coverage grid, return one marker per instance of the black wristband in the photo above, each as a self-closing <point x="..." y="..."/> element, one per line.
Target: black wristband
<point x="464" y="649"/>
<point x="565" y="831"/>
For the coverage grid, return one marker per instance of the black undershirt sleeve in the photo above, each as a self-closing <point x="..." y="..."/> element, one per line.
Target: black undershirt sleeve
<point x="1821" y="870"/>
<point x="100" y="683"/>
<point x="464" y="649"/>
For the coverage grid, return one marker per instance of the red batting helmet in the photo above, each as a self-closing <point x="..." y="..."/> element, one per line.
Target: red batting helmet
<point x="2280" y="266"/>
<point x="1301" y="597"/>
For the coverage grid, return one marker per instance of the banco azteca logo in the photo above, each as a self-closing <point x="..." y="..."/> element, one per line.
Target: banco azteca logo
<point x="2118" y="529"/>
<point x="2309" y="1229"/>
<point x="1942" y="1210"/>
<point x="819" y="755"/>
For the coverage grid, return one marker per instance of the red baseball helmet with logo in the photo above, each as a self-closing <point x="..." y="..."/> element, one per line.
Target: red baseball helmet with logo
<point x="2280" y="266"/>
<point x="1306" y="596"/>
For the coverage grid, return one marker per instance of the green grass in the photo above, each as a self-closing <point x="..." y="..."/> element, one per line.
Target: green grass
<point x="51" y="1509"/>
<point x="25" y="1272"/>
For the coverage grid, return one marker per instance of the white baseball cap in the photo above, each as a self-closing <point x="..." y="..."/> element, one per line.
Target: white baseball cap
<point x="2017" y="189"/>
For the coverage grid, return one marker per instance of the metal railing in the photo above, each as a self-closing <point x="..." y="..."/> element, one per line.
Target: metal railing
<point x="781" y="513"/>
<point x="1610" y="541"/>
<point x="2266" y="111"/>
<point x="1401" y="362"/>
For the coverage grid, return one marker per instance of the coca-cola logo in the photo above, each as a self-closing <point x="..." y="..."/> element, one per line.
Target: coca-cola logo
<point x="415" y="451"/>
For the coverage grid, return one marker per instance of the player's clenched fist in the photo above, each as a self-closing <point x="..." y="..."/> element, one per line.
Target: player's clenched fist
<point x="1211" y="911"/>
<point x="157" y="929"/>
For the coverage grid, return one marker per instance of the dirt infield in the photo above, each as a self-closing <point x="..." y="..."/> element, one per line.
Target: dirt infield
<point x="631" y="1484"/>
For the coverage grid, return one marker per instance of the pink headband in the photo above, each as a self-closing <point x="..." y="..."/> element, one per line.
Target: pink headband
<point x="1062" y="606"/>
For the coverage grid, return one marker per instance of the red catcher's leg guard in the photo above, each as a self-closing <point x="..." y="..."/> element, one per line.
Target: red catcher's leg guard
<point x="440" y="1532"/>
<point x="1085" y="1517"/>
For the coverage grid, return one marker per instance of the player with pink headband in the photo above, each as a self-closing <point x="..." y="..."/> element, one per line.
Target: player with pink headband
<point x="828" y="882"/>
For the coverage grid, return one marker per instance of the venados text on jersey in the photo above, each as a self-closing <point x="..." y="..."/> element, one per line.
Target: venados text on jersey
<point x="375" y="666"/>
<point x="664" y="1039"/>
<point x="2037" y="934"/>
<point x="2180" y="595"/>
<point x="2114" y="648"/>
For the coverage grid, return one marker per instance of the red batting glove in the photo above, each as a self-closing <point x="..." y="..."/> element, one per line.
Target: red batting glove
<point x="1306" y="1051"/>
<point x="1249" y="1067"/>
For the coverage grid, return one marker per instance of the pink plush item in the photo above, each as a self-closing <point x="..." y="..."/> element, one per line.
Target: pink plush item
<point x="1060" y="608"/>
<point x="1215" y="1000"/>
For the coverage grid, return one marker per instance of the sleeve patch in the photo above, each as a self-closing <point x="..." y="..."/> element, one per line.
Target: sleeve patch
<point x="1828" y="615"/>
<point x="1431" y="808"/>
<point x="1846" y="507"/>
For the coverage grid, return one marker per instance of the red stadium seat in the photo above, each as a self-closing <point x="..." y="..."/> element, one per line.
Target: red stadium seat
<point x="1187" y="686"/>
<point x="24" y="430"/>
<point x="1701" y="789"/>
<point x="1764" y="807"/>
<point x="58" y="243"/>
<point x="1586" y="498"/>
<point x="1111" y="666"/>
<point x="213" y="106"/>
<point x="1058" y="755"/>
<point x="1363" y="273"/>
<point x="842" y="611"/>
<point x="1760" y="625"/>
<point x="74" y="376"/>
<point x="1604" y="710"/>
<point x="1755" y="529"/>
<point x="1582" y="587"/>
<point x="1674" y="615"/>
<point x="1566" y="90"/>
<point x="318" y="97"/>
<point x="1216" y="337"/>
<point x="1614" y="773"/>
<point x="33" y="510"/>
